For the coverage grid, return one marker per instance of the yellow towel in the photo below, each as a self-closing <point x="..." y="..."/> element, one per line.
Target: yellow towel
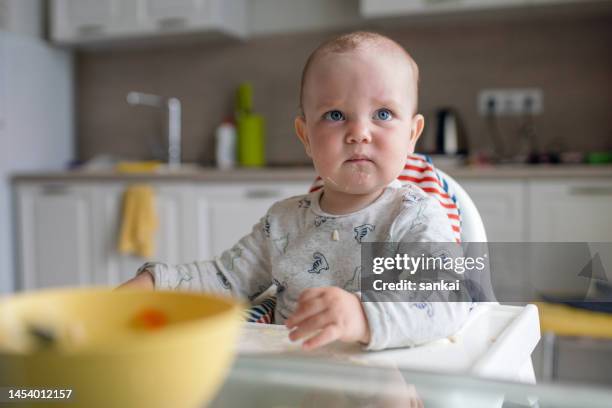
<point x="139" y="222"/>
<point x="570" y="321"/>
<point x="150" y="166"/>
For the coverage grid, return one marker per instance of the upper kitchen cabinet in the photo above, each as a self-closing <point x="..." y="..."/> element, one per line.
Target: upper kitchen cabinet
<point x="107" y="22"/>
<point x="393" y="8"/>
<point x="78" y="20"/>
<point x="386" y="8"/>
<point x="22" y="17"/>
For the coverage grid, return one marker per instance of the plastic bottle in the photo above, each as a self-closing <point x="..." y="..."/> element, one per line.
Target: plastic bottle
<point x="225" y="138"/>
<point x="251" y="129"/>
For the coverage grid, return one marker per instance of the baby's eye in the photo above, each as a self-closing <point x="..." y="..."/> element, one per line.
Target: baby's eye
<point x="334" y="115"/>
<point x="383" y="114"/>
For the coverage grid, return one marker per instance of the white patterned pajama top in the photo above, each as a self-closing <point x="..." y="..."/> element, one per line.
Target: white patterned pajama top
<point x="298" y="246"/>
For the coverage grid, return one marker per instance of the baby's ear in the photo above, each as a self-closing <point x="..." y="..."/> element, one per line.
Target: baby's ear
<point x="302" y="133"/>
<point x="418" y="124"/>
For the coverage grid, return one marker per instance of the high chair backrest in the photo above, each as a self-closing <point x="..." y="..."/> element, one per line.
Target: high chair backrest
<point x="472" y="227"/>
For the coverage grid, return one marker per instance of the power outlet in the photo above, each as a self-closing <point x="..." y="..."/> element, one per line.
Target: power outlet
<point x="510" y="102"/>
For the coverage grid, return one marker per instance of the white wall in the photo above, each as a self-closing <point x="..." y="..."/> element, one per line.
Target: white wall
<point x="36" y="123"/>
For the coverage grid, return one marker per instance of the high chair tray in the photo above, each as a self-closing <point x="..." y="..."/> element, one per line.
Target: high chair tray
<point x="496" y="342"/>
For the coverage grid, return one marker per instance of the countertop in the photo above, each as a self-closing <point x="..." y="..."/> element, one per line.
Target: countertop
<point x="191" y="173"/>
<point x="188" y="173"/>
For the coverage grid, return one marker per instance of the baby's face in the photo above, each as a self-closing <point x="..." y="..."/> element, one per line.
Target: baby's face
<point x="359" y="123"/>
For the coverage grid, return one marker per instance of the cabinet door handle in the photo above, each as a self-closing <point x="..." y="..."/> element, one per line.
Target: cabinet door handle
<point x="90" y="29"/>
<point x="262" y="193"/>
<point x="172" y="22"/>
<point x="54" y="189"/>
<point x="591" y="190"/>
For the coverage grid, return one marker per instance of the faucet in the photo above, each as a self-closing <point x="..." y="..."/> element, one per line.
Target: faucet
<point x="174" y="121"/>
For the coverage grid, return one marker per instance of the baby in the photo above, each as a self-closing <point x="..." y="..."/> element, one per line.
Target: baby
<point x="358" y="123"/>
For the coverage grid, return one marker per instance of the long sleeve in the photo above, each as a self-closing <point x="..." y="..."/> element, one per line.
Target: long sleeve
<point x="401" y="323"/>
<point x="242" y="271"/>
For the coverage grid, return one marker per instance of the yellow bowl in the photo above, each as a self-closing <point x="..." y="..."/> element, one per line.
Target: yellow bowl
<point x="105" y="359"/>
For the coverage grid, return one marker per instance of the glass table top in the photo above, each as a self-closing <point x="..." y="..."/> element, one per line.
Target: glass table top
<point x="293" y="381"/>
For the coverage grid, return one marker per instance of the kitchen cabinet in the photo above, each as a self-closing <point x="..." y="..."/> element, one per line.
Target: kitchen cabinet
<point x="542" y="211"/>
<point x="22" y="17"/>
<point x="94" y="23"/>
<point x="163" y="15"/>
<point x="74" y="20"/>
<point x="281" y="16"/>
<point x="502" y="206"/>
<point x="83" y="22"/>
<point x="224" y="214"/>
<point x="56" y="235"/>
<point x="67" y="232"/>
<point x="394" y="8"/>
<point x="571" y="211"/>
<point x="382" y="8"/>
<point x="171" y="240"/>
<point x="575" y="211"/>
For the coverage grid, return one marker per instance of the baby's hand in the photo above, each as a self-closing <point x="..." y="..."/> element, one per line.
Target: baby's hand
<point x="143" y="280"/>
<point x="336" y="312"/>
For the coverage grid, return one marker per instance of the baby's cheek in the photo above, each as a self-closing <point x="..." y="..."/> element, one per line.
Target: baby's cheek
<point x="395" y="161"/>
<point x="392" y="147"/>
<point x="326" y="157"/>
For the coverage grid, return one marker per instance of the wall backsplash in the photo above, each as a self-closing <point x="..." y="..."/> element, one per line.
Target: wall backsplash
<point x="569" y="59"/>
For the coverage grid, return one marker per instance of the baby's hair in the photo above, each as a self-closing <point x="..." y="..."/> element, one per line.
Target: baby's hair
<point x="350" y="42"/>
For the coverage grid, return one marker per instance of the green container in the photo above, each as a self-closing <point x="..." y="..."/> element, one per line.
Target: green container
<point x="599" y="158"/>
<point x="251" y="140"/>
<point x="244" y="97"/>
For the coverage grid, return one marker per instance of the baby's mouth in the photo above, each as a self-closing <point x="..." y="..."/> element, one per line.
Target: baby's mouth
<point x="359" y="158"/>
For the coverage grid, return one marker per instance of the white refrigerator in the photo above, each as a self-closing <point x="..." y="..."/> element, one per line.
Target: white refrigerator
<point x="36" y="125"/>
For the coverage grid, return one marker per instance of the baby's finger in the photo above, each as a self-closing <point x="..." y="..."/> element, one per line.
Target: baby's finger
<point x="310" y="325"/>
<point x="305" y="310"/>
<point x="310" y="293"/>
<point x="329" y="334"/>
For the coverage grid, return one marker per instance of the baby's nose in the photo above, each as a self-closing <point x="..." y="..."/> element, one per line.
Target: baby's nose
<point x="358" y="132"/>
